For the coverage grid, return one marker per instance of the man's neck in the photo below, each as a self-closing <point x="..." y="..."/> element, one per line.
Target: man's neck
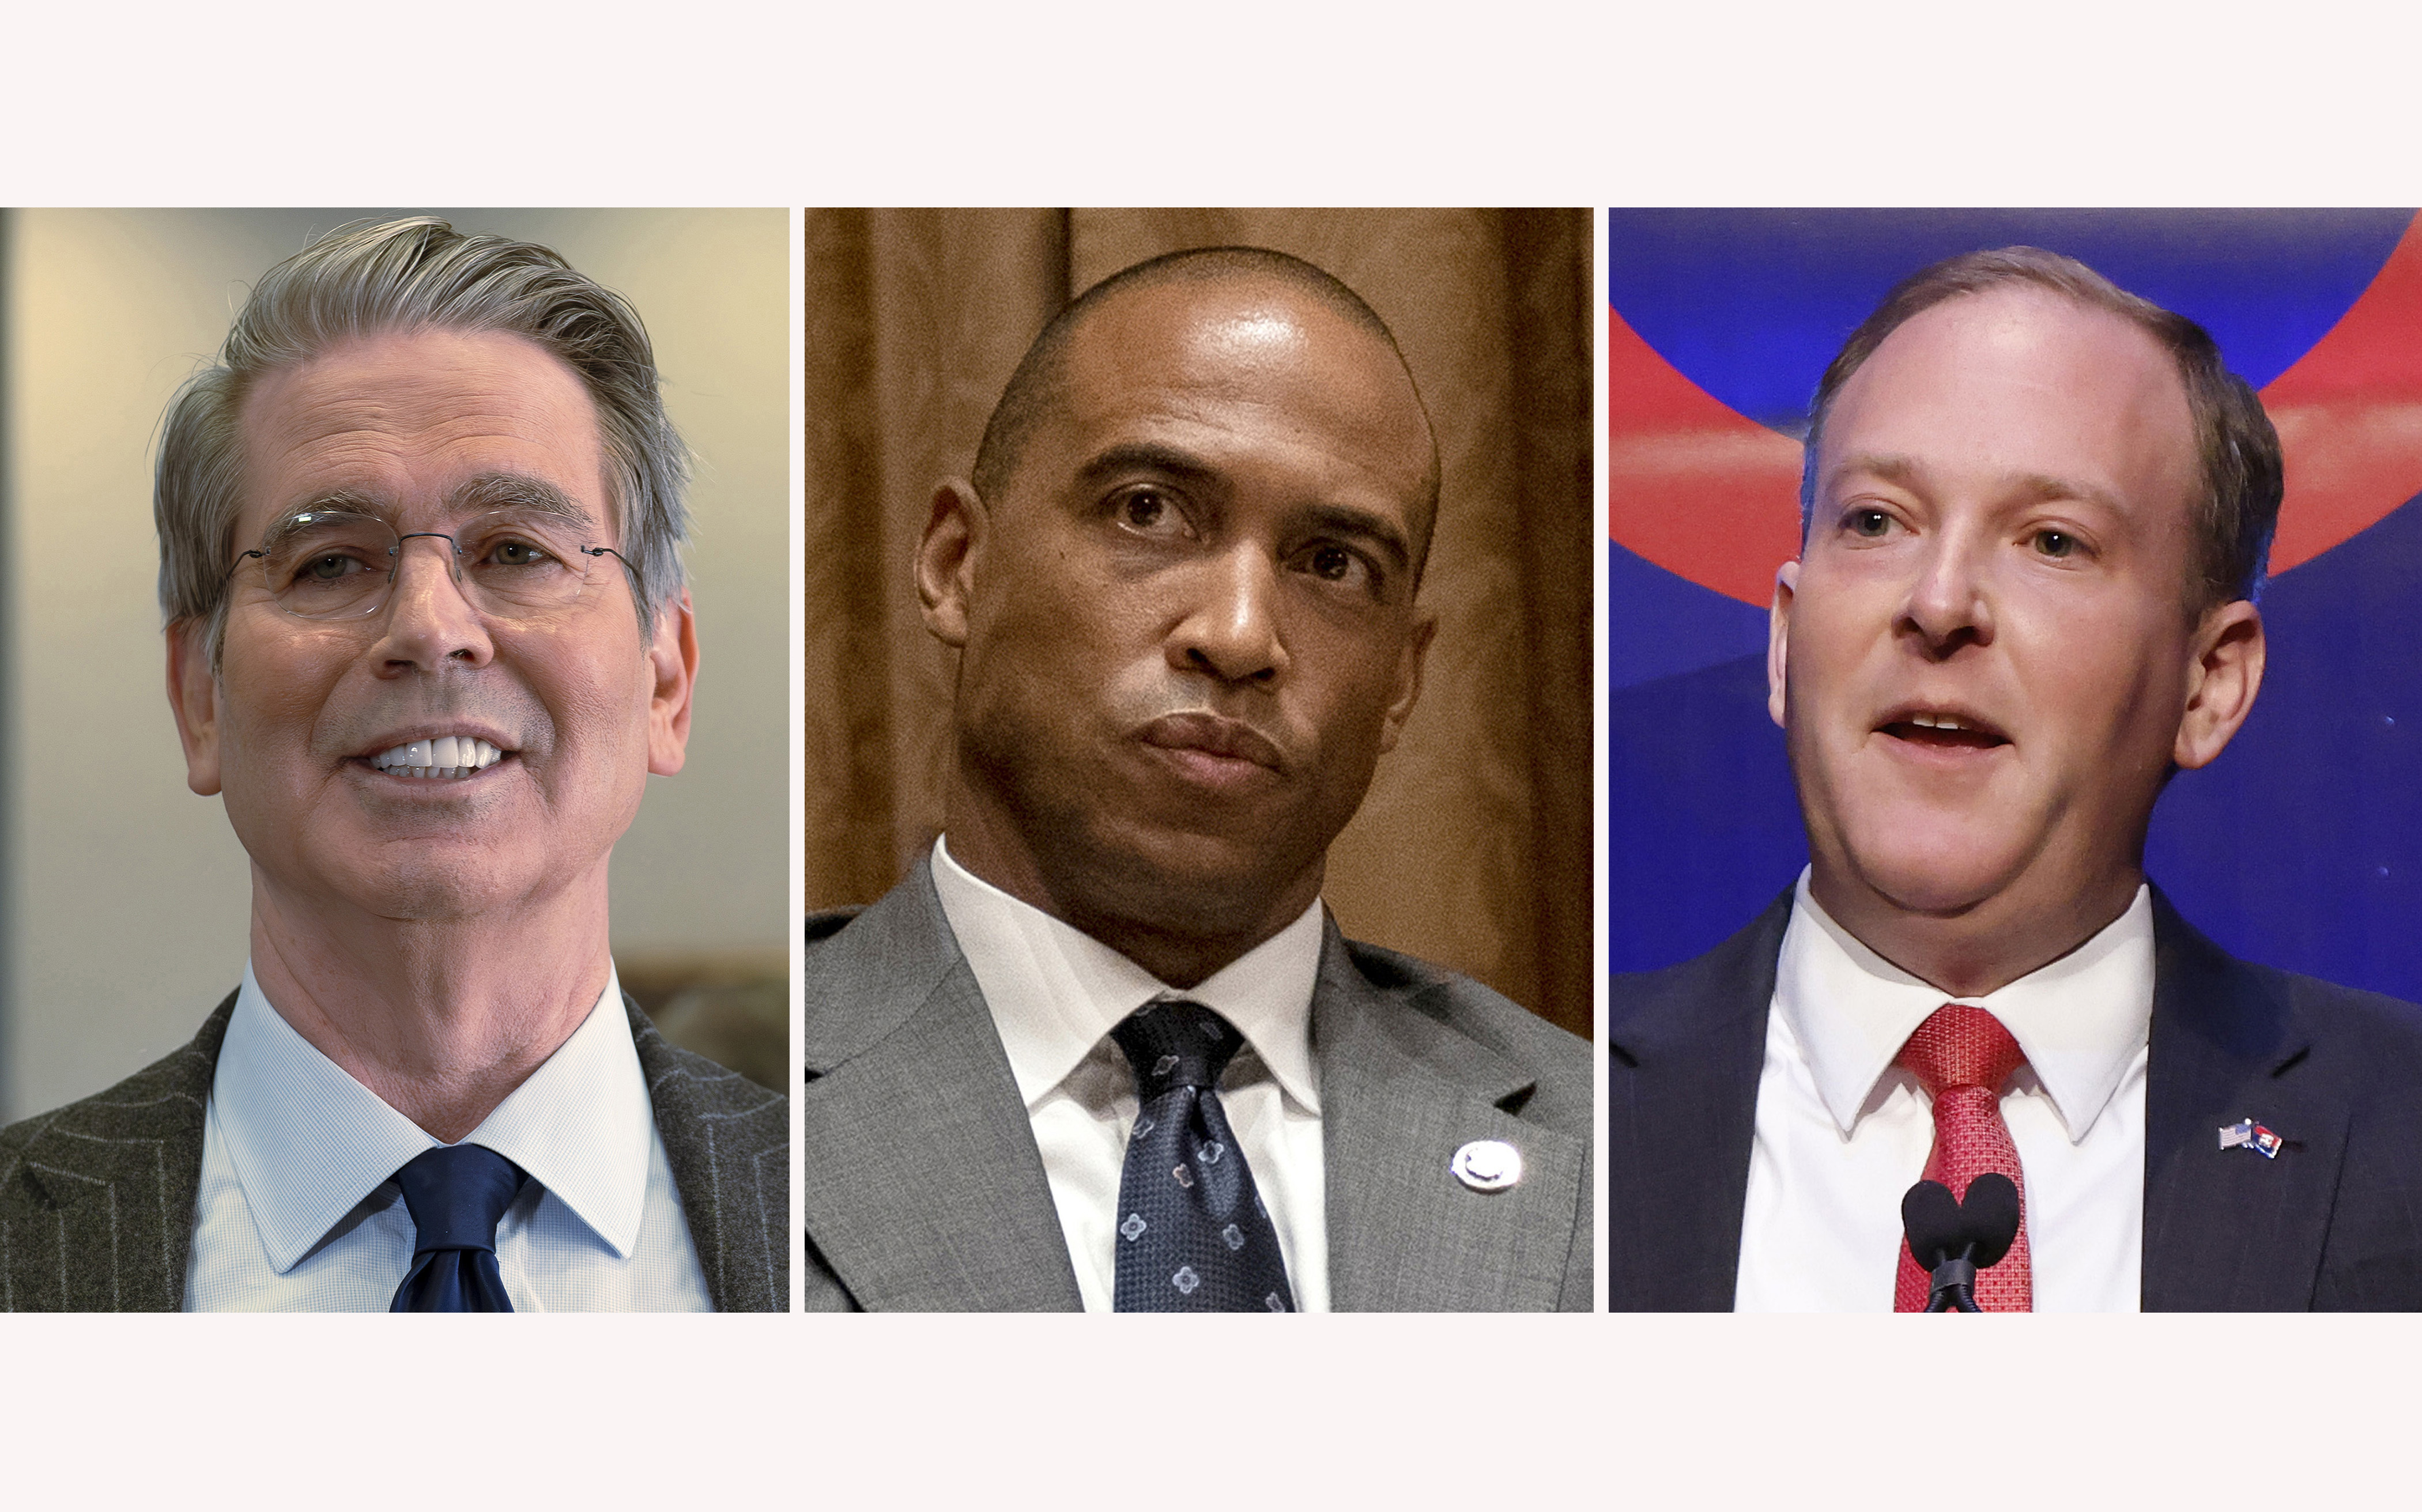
<point x="1178" y="945"/>
<point x="1972" y="951"/>
<point x="441" y="1018"/>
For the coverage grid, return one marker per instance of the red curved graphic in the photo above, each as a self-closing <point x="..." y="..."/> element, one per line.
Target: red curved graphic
<point x="2350" y="415"/>
<point x="1713" y="496"/>
<point x="1691" y="484"/>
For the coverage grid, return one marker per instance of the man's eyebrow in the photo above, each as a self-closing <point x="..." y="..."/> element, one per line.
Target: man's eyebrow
<point x="1904" y="471"/>
<point x="2041" y="488"/>
<point x="2035" y="487"/>
<point x="519" y="490"/>
<point x="1145" y="457"/>
<point x="488" y="491"/>
<point x="336" y="502"/>
<point x="1367" y="525"/>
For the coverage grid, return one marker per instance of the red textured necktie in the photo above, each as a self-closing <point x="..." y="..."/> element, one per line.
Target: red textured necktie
<point x="1961" y="1055"/>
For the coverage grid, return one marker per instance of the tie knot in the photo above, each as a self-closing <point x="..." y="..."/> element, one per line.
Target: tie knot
<point x="1176" y="1044"/>
<point x="1960" y="1045"/>
<point x="456" y="1194"/>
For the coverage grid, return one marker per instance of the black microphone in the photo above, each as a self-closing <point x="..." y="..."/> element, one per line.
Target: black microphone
<point x="1952" y="1241"/>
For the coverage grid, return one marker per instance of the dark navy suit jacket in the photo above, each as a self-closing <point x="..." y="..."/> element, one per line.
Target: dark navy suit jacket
<point x="2333" y="1222"/>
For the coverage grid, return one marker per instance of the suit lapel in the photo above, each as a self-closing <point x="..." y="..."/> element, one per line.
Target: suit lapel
<point x="1400" y="1092"/>
<point x="96" y="1204"/>
<point x="923" y="1189"/>
<point x="1686" y="1047"/>
<point x="2227" y="1229"/>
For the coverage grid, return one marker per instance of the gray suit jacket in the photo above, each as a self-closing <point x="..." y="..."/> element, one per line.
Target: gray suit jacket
<point x="97" y="1198"/>
<point x="924" y="1189"/>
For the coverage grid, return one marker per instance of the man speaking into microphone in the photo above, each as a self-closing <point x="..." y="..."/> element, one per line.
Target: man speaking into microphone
<point x="2035" y="510"/>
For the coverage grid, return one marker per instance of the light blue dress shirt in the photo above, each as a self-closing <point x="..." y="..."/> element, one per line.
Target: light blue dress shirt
<point x="299" y="1212"/>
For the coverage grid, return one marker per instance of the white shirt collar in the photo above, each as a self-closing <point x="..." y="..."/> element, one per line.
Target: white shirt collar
<point x="308" y="1143"/>
<point x="2080" y="1020"/>
<point x="1055" y="991"/>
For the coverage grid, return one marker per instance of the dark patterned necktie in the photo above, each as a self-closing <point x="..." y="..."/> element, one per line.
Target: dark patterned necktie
<point x="455" y="1194"/>
<point x="1193" y="1235"/>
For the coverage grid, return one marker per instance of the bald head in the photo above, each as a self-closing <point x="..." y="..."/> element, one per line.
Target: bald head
<point x="1181" y="588"/>
<point x="1240" y="282"/>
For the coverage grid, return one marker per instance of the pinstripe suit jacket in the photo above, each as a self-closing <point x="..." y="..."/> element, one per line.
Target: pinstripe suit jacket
<point x="924" y="1189"/>
<point x="97" y="1198"/>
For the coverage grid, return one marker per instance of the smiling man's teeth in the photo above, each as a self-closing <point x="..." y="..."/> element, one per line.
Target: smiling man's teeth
<point x="1935" y="722"/>
<point x="446" y="755"/>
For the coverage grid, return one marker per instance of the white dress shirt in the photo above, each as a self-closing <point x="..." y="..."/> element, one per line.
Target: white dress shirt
<point x="299" y="1212"/>
<point x="1842" y="1132"/>
<point x="1056" y="992"/>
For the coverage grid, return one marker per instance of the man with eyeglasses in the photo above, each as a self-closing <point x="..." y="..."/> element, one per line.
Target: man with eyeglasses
<point x="426" y="639"/>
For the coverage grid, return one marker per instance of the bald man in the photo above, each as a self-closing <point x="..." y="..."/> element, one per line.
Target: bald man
<point x="1103" y="1048"/>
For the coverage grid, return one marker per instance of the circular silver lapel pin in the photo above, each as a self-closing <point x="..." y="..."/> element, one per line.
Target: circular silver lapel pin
<point x="1486" y="1165"/>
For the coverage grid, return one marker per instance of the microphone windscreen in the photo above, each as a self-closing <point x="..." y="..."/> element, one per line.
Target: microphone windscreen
<point x="1992" y="1214"/>
<point x="1930" y="1215"/>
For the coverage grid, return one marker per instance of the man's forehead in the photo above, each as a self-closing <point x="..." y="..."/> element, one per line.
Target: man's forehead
<point x="1182" y="350"/>
<point x="1236" y="329"/>
<point x="2048" y="385"/>
<point x="430" y="419"/>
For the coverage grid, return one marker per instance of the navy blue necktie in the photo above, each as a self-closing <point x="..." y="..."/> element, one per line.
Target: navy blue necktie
<point x="1193" y="1235"/>
<point x="455" y="1194"/>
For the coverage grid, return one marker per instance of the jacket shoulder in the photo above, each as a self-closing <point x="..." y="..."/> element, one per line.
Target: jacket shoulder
<point x="2250" y="1009"/>
<point x="1647" y="1011"/>
<point x="1558" y="1058"/>
<point x="867" y="969"/>
<point x="97" y="1197"/>
<point x="51" y="1159"/>
<point x="728" y="1140"/>
<point x="824" y="924"/>
<point x="2371" y="1029"/>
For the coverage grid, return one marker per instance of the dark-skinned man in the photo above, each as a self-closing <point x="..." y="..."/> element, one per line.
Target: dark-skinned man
<point x="1103" y="1048"/>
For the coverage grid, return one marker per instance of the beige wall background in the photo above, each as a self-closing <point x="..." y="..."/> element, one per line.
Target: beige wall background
<point x="125" y="897"/>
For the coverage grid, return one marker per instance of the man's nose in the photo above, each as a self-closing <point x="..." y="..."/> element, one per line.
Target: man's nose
<point x="1950" y="604"/>
<point x="1230" y="629"/>
<point x="429" y="622"/>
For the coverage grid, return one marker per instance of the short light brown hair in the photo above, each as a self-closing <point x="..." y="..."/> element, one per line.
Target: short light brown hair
<point x="2235" y="443"/>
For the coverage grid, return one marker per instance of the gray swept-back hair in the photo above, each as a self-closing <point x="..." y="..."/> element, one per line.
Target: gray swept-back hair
<point x="417" y="274"/>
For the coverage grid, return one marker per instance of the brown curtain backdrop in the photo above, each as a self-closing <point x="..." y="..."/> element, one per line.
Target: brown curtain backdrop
<point x="1474" y="847"/>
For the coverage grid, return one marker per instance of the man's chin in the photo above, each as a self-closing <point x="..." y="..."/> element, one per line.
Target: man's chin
<point x="1190" y="881"/>
<point x="418" y="882"/>
<point x="1937" y="876"/>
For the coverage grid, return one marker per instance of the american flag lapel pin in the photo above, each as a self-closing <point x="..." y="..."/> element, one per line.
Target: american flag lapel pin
<point x="2253" y="1136"/>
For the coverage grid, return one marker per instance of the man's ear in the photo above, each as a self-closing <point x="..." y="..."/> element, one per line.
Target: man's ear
<point x="672" y="655"/>
<point x="2226" y="673"/>
<point x="1778" y="638"/>
<point x="1407" y="691"/>
<point x="194" y="698"/>
<point x="946" y="560"/>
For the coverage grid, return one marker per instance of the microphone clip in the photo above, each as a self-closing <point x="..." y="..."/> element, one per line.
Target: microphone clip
<point x="1954" y="1287"/>
<point x="1952" y="1239"/>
